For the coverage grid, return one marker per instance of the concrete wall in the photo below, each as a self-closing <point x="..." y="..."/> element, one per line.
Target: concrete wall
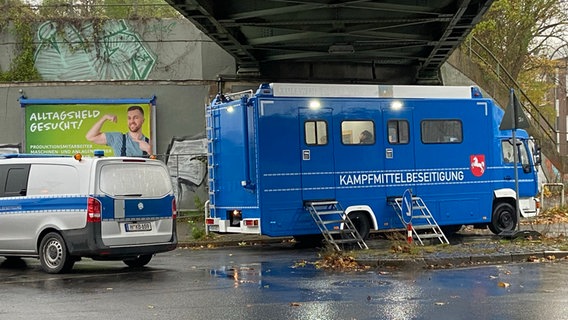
<point x="154" y="49"/>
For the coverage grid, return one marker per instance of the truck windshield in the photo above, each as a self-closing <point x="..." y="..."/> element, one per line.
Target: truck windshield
<point x="134" y="179"/>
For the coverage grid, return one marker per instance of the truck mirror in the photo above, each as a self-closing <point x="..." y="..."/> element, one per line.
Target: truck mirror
<point x="537" y="156"/>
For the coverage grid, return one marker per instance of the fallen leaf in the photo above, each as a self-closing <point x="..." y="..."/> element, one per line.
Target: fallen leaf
<point x="503" y="284"/>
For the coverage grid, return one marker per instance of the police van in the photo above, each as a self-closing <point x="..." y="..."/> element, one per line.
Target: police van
<point x="62" y="208"/>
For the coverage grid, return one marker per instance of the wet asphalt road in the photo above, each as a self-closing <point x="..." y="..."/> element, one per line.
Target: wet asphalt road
<point x="272" y="283"/>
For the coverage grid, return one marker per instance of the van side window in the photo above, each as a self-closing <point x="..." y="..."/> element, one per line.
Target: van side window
<point x="315" y="132"/>
<point x="441" y="131"/>
<point x="358" y="132"/>
<point x="53" y="179"/>
<point x="16" y="181"/>
<point x="398" y="132"/>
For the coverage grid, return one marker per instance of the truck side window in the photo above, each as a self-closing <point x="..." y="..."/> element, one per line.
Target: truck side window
<point x="507" y="149"/>
<point x="398" y="132"/>
<point x="358" y="132"/>
<point x="508" y="153"/>
<point x="315" y="132"/>
<point x="441" y="131"/>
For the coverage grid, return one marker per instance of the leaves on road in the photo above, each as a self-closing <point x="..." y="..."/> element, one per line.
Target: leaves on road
<point x="339" y="262"/>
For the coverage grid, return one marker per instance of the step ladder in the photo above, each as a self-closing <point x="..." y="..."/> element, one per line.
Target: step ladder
<point x="423" y="224"/>
<point x="335" y="226"/>
<point x="211" y="129"/>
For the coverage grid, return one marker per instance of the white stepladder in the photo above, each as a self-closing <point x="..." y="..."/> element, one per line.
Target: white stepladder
<point x="334" y="224"/>
<point x="418" y="220"/>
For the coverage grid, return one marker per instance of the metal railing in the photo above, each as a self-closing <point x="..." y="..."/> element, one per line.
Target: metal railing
<point x="541" y="128"/>
<point x="188" y="171"/>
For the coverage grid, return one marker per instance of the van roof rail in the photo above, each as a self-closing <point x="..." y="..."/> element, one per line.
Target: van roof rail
<point x="31" y="155"/>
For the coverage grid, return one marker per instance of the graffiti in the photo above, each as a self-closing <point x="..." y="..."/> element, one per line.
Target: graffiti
<point x="161" y="28"/>
<point x="114" y="53"/>
<point x="187" y="163"/>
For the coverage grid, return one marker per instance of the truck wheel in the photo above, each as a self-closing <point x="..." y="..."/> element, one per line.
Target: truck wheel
<point x="138" y="261"/>
<point x="53" y="254"/>
<point x="451" y="229"/>
<point x="504" y="218"/>
<point x="361" y="223"/>
<point x="308" y="241"/>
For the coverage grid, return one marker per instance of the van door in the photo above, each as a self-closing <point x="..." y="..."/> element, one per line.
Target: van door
<point x="316" y="154"/>
<point x="399" y="150"/>
<point x="17" y="229"/>
<point x="137" y="201"/>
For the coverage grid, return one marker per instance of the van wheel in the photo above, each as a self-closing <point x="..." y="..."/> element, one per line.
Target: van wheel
<point x="139" y="261"/>
<point x="361" y="223"/>
<point x="504" y="218"/>
<point x="53" y="254"/>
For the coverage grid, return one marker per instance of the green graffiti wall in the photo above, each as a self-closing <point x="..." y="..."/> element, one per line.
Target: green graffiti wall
<point x="115" y="52"/>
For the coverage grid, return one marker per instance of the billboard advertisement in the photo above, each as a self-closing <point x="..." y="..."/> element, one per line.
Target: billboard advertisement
<point x="121" y="127"/>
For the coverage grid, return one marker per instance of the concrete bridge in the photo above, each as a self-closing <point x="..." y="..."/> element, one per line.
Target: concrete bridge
<point x="346" y="41"/>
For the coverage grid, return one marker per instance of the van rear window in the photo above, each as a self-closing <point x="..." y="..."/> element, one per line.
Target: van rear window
<point x="132" y="179"/>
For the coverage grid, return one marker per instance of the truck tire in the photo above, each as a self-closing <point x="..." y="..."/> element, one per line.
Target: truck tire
<point x="451" y="229"/>
<point x="361" y="222"/>
<point x="139" y="261"/>
<point x="504" y="218"/>
<point x="53" y="254"/>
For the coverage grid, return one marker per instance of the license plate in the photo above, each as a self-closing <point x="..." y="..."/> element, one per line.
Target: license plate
<point x="146" y="226"/>
<point x="213" y="228"/>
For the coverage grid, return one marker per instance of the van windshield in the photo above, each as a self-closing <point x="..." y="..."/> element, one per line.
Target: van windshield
<point x="134" y="179"/>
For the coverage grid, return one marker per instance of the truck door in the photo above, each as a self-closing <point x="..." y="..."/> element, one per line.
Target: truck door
<point x="316" y="154"/>
<point x="399" y="150"/>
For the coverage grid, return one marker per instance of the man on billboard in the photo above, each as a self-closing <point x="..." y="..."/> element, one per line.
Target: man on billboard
<point x="130" y="144"/>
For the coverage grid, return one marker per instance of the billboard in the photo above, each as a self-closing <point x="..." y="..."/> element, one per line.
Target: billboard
<point x="66" y="127"/>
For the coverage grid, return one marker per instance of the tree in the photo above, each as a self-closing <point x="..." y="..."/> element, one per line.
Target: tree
<point x="17" y="18"/>
<point x="106" y="9"/>
<point x="523" y="36"/>
<point x="514" y="30"/>
<point x="116" y="9"/>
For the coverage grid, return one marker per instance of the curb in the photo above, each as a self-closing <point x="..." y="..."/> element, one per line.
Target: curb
<point x="464" y="261"/>
<point x="231" y="243"/>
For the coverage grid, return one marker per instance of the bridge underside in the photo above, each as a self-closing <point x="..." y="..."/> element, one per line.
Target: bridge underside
<point x="343" y="41"/>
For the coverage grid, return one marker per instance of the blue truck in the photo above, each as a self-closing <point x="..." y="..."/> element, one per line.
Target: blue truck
<point x="274" y="151"/>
